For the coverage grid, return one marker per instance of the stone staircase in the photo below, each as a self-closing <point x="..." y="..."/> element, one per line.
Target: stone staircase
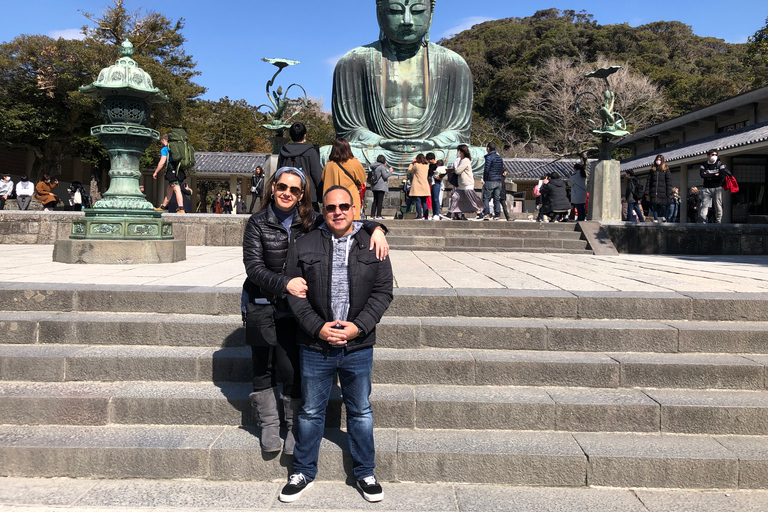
<point x="496" y="236"/>
<point x="470" y="386"/>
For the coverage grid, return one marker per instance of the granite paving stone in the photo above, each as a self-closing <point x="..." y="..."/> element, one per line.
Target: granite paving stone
<point x="51" y="491"/>
<point x="464" y="407"/>
<point x="697" y="501"/>
<point x="427" y="366"/>
<point x="658" y="460"/>
<point x="60" y="403"/>
<point x="712" y="411"/>
<point x="733" y="337"/>
<point x="528" y="368"/>
<point x="476" y="456"/>
<point x="113" y="363"/>
<point x="752" y="452"/>
<point x="472" y="498"/>
<point x="690" y="371"/>
<point x="607" y="335"/>
<point x="180" y="494"/>
<point x="604" y="410"/>
<point x="35" y="362"/>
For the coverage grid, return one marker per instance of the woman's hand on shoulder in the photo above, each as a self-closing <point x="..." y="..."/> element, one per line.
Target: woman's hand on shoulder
<point x="297" y="287"/>
<point x="379" y="244"/>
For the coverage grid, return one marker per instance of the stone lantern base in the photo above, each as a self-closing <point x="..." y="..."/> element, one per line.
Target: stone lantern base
<point x="119" y="252"/>
<point x="120" y="237"/>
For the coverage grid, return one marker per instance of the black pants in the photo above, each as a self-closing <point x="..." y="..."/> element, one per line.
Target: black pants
<point x="279" y="362"/>
<point x="378" y="203"/>
<point x="2" y="203"/>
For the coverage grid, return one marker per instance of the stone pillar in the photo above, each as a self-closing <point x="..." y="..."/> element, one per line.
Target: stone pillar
<point x="270" y="167"/>
<point x="605" y="192"/>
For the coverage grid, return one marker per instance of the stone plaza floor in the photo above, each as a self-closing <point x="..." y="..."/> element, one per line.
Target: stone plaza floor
<point x="223" y="267"/>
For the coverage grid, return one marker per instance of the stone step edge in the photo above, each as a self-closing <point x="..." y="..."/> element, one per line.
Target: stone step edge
<point x="555" y="334"/>
<point x="59" y="363"/>
<point x="524" y="458"/>
<point x="431" y="302"/>
<point x="561" y="409"/>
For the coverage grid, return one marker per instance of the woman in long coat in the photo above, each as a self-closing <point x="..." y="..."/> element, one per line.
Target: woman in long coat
<point x="420" y="189"/>
<point x="43" y="192"/>
<point x="657" y="188"/>
<point x="464" y="198"/>
<point x="340" y="160"/>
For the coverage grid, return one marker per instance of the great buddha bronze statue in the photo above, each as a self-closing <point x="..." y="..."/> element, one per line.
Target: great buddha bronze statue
<point x="403" y="95"/>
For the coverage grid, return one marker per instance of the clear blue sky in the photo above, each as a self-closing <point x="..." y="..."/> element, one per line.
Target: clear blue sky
<point x="228" y="38"/>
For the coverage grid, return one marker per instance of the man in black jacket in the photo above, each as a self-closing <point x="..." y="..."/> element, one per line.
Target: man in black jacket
<point x="714" y="172"/>
<point x="493" y="181"/>
<point x="337" y="336"/>
<point x="304" y="157"/>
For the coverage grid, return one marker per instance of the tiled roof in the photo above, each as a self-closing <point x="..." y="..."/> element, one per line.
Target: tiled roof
<point x="535" y="168"/>
<point x="228" y="163"/>
<point x="748" y="135"/>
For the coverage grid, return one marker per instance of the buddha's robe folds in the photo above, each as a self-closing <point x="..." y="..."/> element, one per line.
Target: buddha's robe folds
<point x="373" y="101"/>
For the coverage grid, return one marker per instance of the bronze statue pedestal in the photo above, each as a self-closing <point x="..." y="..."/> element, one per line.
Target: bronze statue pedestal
<point x="119" y="252"/>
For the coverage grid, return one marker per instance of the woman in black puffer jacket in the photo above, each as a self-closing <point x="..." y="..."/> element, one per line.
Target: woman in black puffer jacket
<point x="657" y="188"/>
<point x="270" y="329"/>
<point x="555" y="198"/>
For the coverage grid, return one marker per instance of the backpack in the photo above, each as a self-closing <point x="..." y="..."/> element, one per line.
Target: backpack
<point x="636" y="189"/>
<point x="181" y="150"/>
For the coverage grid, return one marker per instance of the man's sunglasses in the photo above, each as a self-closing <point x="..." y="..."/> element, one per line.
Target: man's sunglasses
<point x="282" y="187"/>
<point x="331" y="208"/>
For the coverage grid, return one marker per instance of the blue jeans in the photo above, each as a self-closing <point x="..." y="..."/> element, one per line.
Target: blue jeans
<point x="492" y="189"/>
<point x="317" y="372"/>
<point x="635" y="207"/>
<point x="672" y="212"/>
<point x="421" y="206"/>
<point x="436" y="199"/>
<point x="659" y="210"/>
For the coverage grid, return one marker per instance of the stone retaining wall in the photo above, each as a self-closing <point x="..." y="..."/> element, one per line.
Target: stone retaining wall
<point x="693" y="239"/>
<point x="227" y="230"/>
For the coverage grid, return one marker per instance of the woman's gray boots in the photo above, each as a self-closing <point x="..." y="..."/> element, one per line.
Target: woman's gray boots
<point x="291" y="408"/>
<point x="269" y="420"/>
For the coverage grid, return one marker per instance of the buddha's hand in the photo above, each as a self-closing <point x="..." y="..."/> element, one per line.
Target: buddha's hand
<point x="407" y="145"/>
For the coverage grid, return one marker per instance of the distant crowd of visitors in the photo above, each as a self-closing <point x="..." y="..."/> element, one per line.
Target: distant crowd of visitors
<point x="660" y="199"/>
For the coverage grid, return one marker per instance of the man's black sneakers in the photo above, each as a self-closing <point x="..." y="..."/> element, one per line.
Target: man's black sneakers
<point x="371" y="489"/>
<point x="297" y="484"/>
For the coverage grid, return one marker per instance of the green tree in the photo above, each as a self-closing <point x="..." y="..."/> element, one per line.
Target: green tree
<point x="757" y="56"/>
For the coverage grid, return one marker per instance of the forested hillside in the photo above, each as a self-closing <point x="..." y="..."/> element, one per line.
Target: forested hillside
<point x="689" y="71"/>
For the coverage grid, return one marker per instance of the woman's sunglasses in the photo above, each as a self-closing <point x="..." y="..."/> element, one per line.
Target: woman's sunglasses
<point x="282" y="187"/>
<point x="331" y="208"/>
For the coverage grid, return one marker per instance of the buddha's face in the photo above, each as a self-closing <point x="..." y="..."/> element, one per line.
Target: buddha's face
<point x="405" y="21"/>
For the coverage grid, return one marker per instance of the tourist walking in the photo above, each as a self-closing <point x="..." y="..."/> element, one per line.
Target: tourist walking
<point x="285" y="217"/>
<point x="257" y="187"/>
<point x="539" y="198"/>
<point x="694" y="203"/>
<point x="555" y="198"/>
<point x="173" y="176"/>
<point x="24" y="191"/>
<point x="714" y="172"/>
<point x="345" y="170"/>
<point x="304" y="157"/>
<point x="218" y="203"/>
<point x="6" y="189"/>
<point x="418" y="171"/>
<point x="437" y="187"/>
<point x="578" y="183"/>
<point x="464" y="199"/>
<point x="658" y="189"/>
<point x="493" y="181"/>
<point x="633" y="194"/>
<point x="226" y="204"/>
<point x="337" y="338"/>
<point x="380" y="174"/>
<point x="43" y="192"/>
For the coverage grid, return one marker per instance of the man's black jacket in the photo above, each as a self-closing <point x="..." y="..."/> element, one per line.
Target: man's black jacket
<point x="370" y="289"/>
